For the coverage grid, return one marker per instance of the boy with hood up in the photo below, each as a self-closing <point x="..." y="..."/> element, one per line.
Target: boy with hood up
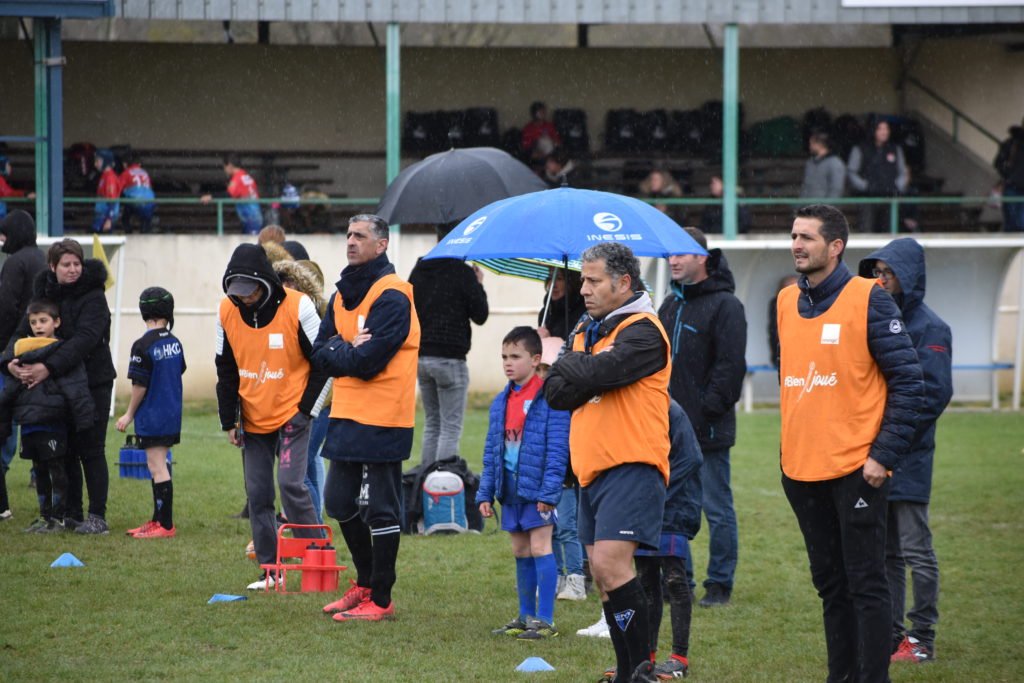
<point x="899" y="267"/>
<point x="265" y="388"/>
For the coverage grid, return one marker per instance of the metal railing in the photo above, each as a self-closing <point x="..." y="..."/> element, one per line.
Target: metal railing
<point x="954" y="111"/>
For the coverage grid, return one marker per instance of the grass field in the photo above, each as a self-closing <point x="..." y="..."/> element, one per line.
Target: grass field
<point x="138" y="609"/>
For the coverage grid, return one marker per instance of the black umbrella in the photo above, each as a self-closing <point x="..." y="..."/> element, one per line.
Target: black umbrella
<point x="448" y="186"/>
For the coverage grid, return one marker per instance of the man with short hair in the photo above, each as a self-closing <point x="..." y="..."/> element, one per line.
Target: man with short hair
<point x="266" y="392"/>
<point x="615" y="380"/>
<point x="708" y="331"/>
<point x="824" y="172"/>
<point x="850" y="394"/>
<point x="240" y="186"/>
<point x="369" y="342"/>
<point x="899" y="267"/>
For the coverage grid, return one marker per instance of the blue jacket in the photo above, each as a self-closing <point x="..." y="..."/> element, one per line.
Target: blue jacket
<point x="932" y="338"/>
<point x="543" y="455"/>
<point x="893" y="352"/>
<point x="684" y="495"/>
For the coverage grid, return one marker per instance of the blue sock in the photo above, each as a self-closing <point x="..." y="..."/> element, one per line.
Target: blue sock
<point x="526" y="583"/>
<point x="547" y="581"/>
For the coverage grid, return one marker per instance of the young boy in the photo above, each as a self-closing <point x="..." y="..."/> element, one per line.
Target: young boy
<point x="156" y="367"/>
<point x="44" y="411"/>
<point x="525" y="457"/>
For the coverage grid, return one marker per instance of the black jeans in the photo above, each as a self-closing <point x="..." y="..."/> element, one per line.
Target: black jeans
<point x="87" y="451"/>
<point x="843" y="522"/>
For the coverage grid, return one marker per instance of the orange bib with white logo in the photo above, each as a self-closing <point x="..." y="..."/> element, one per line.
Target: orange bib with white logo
<point x="832" y="394"/>
<point x="272" y="371"/>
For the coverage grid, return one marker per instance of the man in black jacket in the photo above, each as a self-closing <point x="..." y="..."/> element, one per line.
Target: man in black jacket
<point x="448" y="294"/>
<point x="1010" y="164"/>
<point x="708" y="331"/>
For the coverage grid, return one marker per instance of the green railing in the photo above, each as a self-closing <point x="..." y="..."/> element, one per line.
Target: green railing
<point x="219" y="204"/>
<point x="953" y="110"/>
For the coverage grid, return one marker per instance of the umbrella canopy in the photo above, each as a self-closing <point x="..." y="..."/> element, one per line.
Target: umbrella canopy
<point x="560" y="224"/>
<point x="448" y="186"/>
<point x="526" y="268"/>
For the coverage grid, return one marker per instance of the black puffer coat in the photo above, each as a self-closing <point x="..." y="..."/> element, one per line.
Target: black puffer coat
<point x="707" y="327"/>
<point x="84" y="323"/>
<point x="24" y="262"/>
<point x="59" y="399"/>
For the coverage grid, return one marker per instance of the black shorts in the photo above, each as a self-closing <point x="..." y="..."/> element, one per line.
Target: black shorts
<point x="371" y="490"/>
<point x="154" y="441"/>
<point x="44" y="446"/>
<point x="625" y="503"/>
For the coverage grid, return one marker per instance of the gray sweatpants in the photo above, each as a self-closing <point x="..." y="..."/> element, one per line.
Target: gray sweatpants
<point x="288" y="444"/>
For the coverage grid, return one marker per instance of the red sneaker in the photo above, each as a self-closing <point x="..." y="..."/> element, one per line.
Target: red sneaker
<point x="367" y="611"/>
<point x="911" y="650"/>
<point x="351" y="598"/>
<point x="157" y="531"/>
<point x="145" y="527"/>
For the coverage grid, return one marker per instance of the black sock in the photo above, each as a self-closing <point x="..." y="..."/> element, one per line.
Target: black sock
<point x="360" y="547"/>
<point x="628" y="606"/>
<point x="648" y="570"/>
<point x="679" y="603"/>
<point x="622" y="671"/>
<point x="163" y="497"/>
<point x="385" y="553"/>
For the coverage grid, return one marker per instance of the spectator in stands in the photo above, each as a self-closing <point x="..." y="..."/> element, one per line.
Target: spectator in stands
<point x="711" y="219"/>
<point x="661" y="184"/>
<point x="240" y="186"/>
<point x="5" y="189"/>
<point x="824" y="172"/>
<point x="108" y="189"/>
<point x="135" y="184"/>
<point x="553" y="321"/>
<point x="877" y="169"/>
<point x="1010" y="164"/>
<point x="560" y="170"/>
<point x="312" y="218"/>
<point x="539" y="137"/>
<point x="448" y="295"/>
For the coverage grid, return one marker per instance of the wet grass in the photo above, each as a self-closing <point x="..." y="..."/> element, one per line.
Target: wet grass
<point x="138" y="610"/>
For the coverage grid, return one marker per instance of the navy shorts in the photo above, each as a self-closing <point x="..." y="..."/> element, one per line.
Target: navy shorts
<point x="524" y="516"/>
<point x="625" y="503"/>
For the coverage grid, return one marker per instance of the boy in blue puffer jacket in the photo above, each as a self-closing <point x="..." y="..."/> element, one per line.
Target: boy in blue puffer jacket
<point x="525" y="457"/>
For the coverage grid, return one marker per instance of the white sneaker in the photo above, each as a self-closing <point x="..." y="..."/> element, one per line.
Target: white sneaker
<point x="598" y="630"/>
<point x="262" y="583"/>
<point x="573" y="589"/>
<point x="7" y="514"/>
<point x="560" y="586"/>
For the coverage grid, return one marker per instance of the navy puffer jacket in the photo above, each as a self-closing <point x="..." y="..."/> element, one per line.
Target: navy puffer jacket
<point x="543" y="455"/>
<point x="890" y="346"/>
<point x="684" y="495"/>
<point x="933" y="340"/>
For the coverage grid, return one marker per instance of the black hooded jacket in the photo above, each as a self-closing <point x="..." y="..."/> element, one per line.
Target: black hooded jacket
<point x="250" y="261"/>
<point x="84" y="323"/>
<point x="707" y="327"/>
<point x="23" y="263"/>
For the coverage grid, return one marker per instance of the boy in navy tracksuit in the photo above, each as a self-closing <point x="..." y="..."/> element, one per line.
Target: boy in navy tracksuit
<point x="44" y="412"/>
<point x="525" y="457"/>
<point x="155" y="371"/>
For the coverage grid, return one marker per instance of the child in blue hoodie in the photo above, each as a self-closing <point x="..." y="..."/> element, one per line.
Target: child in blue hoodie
<point x="525" y="456"/>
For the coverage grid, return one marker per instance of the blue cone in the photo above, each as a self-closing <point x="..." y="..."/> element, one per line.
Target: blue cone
<point x="534" y="664"/>
<point x="67" y="560"/>
<point x="224" y="597"/>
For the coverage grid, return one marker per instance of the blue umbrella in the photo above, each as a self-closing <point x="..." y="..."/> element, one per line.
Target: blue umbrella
<point x="560" y="224"/>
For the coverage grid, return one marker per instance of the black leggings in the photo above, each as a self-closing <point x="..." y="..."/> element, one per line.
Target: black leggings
<point x="649" y="570"/>
<point x="87" y="452"/>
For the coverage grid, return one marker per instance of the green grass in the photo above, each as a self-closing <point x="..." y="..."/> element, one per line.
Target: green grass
<point x="138" y="610"/>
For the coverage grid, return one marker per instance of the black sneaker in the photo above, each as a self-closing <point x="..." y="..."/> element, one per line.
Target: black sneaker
<point x="512" y="628"/>
<point x="538" y="629"/>
<point x="53" y="526"/>
<point x="70" y="523"/>
<point x="95" y="526"/>
<point x="35" y="526"/>
<point x="671" y="668"/>
<point x="644" y="673"/>
<point x="716" y="595"/>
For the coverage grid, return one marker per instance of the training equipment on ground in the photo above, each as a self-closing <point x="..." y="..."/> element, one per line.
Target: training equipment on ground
<point x="67" y="560"/>
<point x="534" y="664"/>
<point x="224" y="597"/>
<point x="313" y="557"/>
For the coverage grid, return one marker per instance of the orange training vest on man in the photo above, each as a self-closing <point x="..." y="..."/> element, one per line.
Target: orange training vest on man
<point x="272" y="371"/>
<point x="389" y="399"/>
<point x="832" y="393"/>
<point x="624" y="425"/>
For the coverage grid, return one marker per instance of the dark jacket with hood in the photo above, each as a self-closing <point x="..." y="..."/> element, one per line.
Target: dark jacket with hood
<point x="706" y="325"/>
<point x="684" y="496"/>
<point x="250" y="261"/>
<point x="891" y="348"/>
<point x="932" y="338"/>
<point x="1010" y="159"/>
<point x="58" y="400"/>
<point x="23" y="263"/>
<point x="447" y="296"/>
<point x="84" y="323"/>
<point x="389" y="322"/>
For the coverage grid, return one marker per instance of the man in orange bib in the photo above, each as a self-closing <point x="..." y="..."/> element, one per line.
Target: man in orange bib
<point x="615" y="380"/>
<point x="369" y="342"/>
<point x="265" y="389"/>
<point x="851" y="391"/>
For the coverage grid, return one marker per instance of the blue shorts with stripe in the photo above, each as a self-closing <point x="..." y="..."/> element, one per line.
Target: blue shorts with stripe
<point x="624" y="503"/>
